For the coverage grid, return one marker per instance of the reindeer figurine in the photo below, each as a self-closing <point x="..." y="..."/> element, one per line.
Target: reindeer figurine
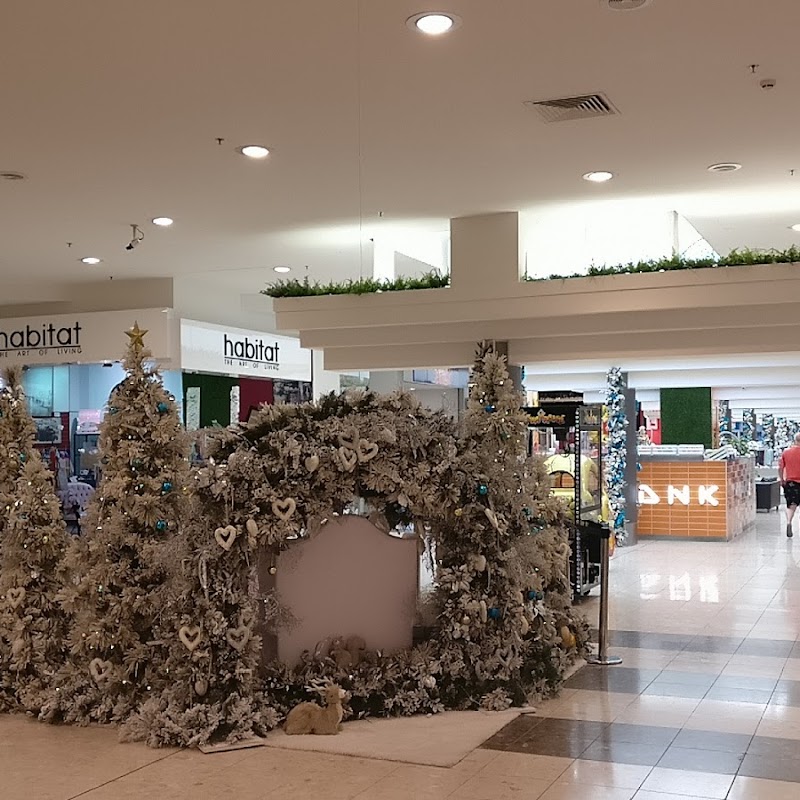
<point x="308" y="718"/>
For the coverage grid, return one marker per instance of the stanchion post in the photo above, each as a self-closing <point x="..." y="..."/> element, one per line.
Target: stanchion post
<point x="602" y="658"/>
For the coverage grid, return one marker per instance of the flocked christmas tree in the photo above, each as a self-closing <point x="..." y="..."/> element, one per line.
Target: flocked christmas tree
<point x="211" y="626"/>
<point x="17" y="434"/>
<point x="121" y="570"/>
<point x="508" y="627"/>
<point x="33" y="626"/>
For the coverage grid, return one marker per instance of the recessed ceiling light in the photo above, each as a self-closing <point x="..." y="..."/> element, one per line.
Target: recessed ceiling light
<point x="625" y="5"/>
<point x="91" y="260"/>
<point x="725" y="166"/>
<point x="256" y="151"/>
<point x="795" y="227"/>
<point x="282" y="269"/>
<point x="163" y="222"/>
<point x="598" y="177"/>
<point x="433" y="23"/>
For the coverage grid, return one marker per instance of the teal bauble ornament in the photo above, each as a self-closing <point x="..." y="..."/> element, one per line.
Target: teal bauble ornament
<point x="162" y="407"/>
<point x="166" y="487"/>
<point x="161" y="525"/>
<point x="483" y="490"/>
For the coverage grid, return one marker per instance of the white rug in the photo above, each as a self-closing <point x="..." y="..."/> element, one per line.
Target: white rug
<point x="440" y="740"/>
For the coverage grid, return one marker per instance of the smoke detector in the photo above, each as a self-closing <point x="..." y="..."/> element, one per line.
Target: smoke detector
<point x="625" y="5"/>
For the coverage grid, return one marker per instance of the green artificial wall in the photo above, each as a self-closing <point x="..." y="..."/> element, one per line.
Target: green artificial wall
<point x="686" y="416"/>
<point x="215" y="397"/>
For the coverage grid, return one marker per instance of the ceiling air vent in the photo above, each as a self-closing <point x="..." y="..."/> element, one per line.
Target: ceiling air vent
<point x="624" y="5"/>
<point x="586" y="106"/>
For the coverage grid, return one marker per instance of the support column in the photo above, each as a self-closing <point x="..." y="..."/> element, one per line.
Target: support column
<point x="386" y="381"/>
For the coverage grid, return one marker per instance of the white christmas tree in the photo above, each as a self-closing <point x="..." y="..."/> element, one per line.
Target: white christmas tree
<point x="17" y="435"/>
<point x="34" y="539"/>
<point x="120" y="570"/>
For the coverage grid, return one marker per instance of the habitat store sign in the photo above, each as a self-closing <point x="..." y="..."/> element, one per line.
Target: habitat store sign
<point x="86" y="337"/>
<point x="234" y="351"/>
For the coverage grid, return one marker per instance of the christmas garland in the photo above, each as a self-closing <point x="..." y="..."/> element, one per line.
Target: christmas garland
<point x="616" y="458"/>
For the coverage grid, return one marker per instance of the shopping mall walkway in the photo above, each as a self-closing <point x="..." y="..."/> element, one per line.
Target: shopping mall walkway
<point x="706" y="705"/>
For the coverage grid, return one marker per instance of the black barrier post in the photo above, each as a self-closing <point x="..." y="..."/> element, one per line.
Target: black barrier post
<point x="602" y="658"/>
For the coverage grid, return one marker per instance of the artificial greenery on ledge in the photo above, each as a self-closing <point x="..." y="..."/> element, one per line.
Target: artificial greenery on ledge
<point x="736" y="258"/>
<point x="305" y="288"/>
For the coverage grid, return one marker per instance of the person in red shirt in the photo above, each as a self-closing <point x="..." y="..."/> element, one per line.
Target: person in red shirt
<point x="789" y="471"/>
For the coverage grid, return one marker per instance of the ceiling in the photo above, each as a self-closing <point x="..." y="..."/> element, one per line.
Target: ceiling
<point x="117" y="114"/>
<point x="113" y="114"/>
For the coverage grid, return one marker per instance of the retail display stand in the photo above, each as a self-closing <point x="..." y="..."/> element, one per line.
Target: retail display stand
<point x="574" y="432"/>
<point x="602" y="531"/>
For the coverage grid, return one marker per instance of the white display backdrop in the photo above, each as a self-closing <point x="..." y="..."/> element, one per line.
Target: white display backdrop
<point x="235" y="351"/>
<point x="89" y="338"/>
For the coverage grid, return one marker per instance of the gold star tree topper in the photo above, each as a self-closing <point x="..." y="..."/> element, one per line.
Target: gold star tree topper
<point x="136" y="335"/>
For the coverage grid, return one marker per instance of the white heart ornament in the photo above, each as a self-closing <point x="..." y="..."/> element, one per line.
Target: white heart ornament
<point x="349" y="458"/>
<point x="484" y="611"/>
<point x="226" y="536"/>
<point x="284" y="509"/>
<point x="252" y="527"/>
<point x="99" y="669"/>
<point x="15" y="596"/>
<point x="312" y="463"/>
<point x="492" y="517"/>
<point x="366" y="450"/>
<point x="190" y="636"/>
<point x="479" y="562"/>
<point x="349" y="440"/>
<point x="238" y="637"/>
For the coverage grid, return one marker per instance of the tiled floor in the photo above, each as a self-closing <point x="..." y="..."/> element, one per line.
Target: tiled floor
<point x="707" y="702"/>
<point x="706" y="705"/>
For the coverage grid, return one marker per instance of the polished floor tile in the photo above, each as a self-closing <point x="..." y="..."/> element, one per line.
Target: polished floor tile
<point x="686" y="782"/>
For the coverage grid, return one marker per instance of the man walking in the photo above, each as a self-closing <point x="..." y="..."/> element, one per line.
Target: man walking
<point x="789" y="471"/>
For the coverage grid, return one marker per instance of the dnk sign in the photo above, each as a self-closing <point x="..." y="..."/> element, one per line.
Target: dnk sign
<point x="685" y="495"/>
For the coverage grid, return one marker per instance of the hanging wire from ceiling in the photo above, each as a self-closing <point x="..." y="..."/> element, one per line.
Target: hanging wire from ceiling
<point x="359" y="121"/>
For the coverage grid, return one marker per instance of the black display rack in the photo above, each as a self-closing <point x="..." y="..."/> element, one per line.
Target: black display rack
<point x="585" y="560"/>
<point x="579" y="429"/>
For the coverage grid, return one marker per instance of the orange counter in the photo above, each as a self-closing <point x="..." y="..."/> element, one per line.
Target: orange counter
<point x="696" y="499"/>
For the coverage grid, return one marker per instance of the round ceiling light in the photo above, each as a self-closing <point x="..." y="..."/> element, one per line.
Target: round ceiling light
<point x="92" y="260"/>
<point x="282" y="270"/>
<point x="162" y="222"/>
<point x="433" y="23"/>
<point x="600" y="176"/>
<point x="625" y="5"/>
<point x="256" y="151"/>
<point x="725" y="166"/>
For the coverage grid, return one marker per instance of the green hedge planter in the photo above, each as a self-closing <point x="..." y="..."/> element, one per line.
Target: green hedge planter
<point x="736" y="258"/>
<point x="304" y="288"/>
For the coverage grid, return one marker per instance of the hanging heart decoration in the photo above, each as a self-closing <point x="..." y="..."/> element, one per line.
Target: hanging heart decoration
<point x="492" y="517"/>
<point x="252" y="527"/>
<point x="484" y="611"/>
<point x="100" y="670"/>
<point x="284" y="509"/>
<point x="349" y="440"/>
<point x="15" y="596"/>
<point x="190" y="636"/>
<point x="312" y="463"/>
<point x="238" y="637"/>
<point x="524" y="626"/>
<point x="201" y="687"/>
<point x="349" y="458"/>
<point x="226" y="537"/>
<point x="366" y="450"/>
